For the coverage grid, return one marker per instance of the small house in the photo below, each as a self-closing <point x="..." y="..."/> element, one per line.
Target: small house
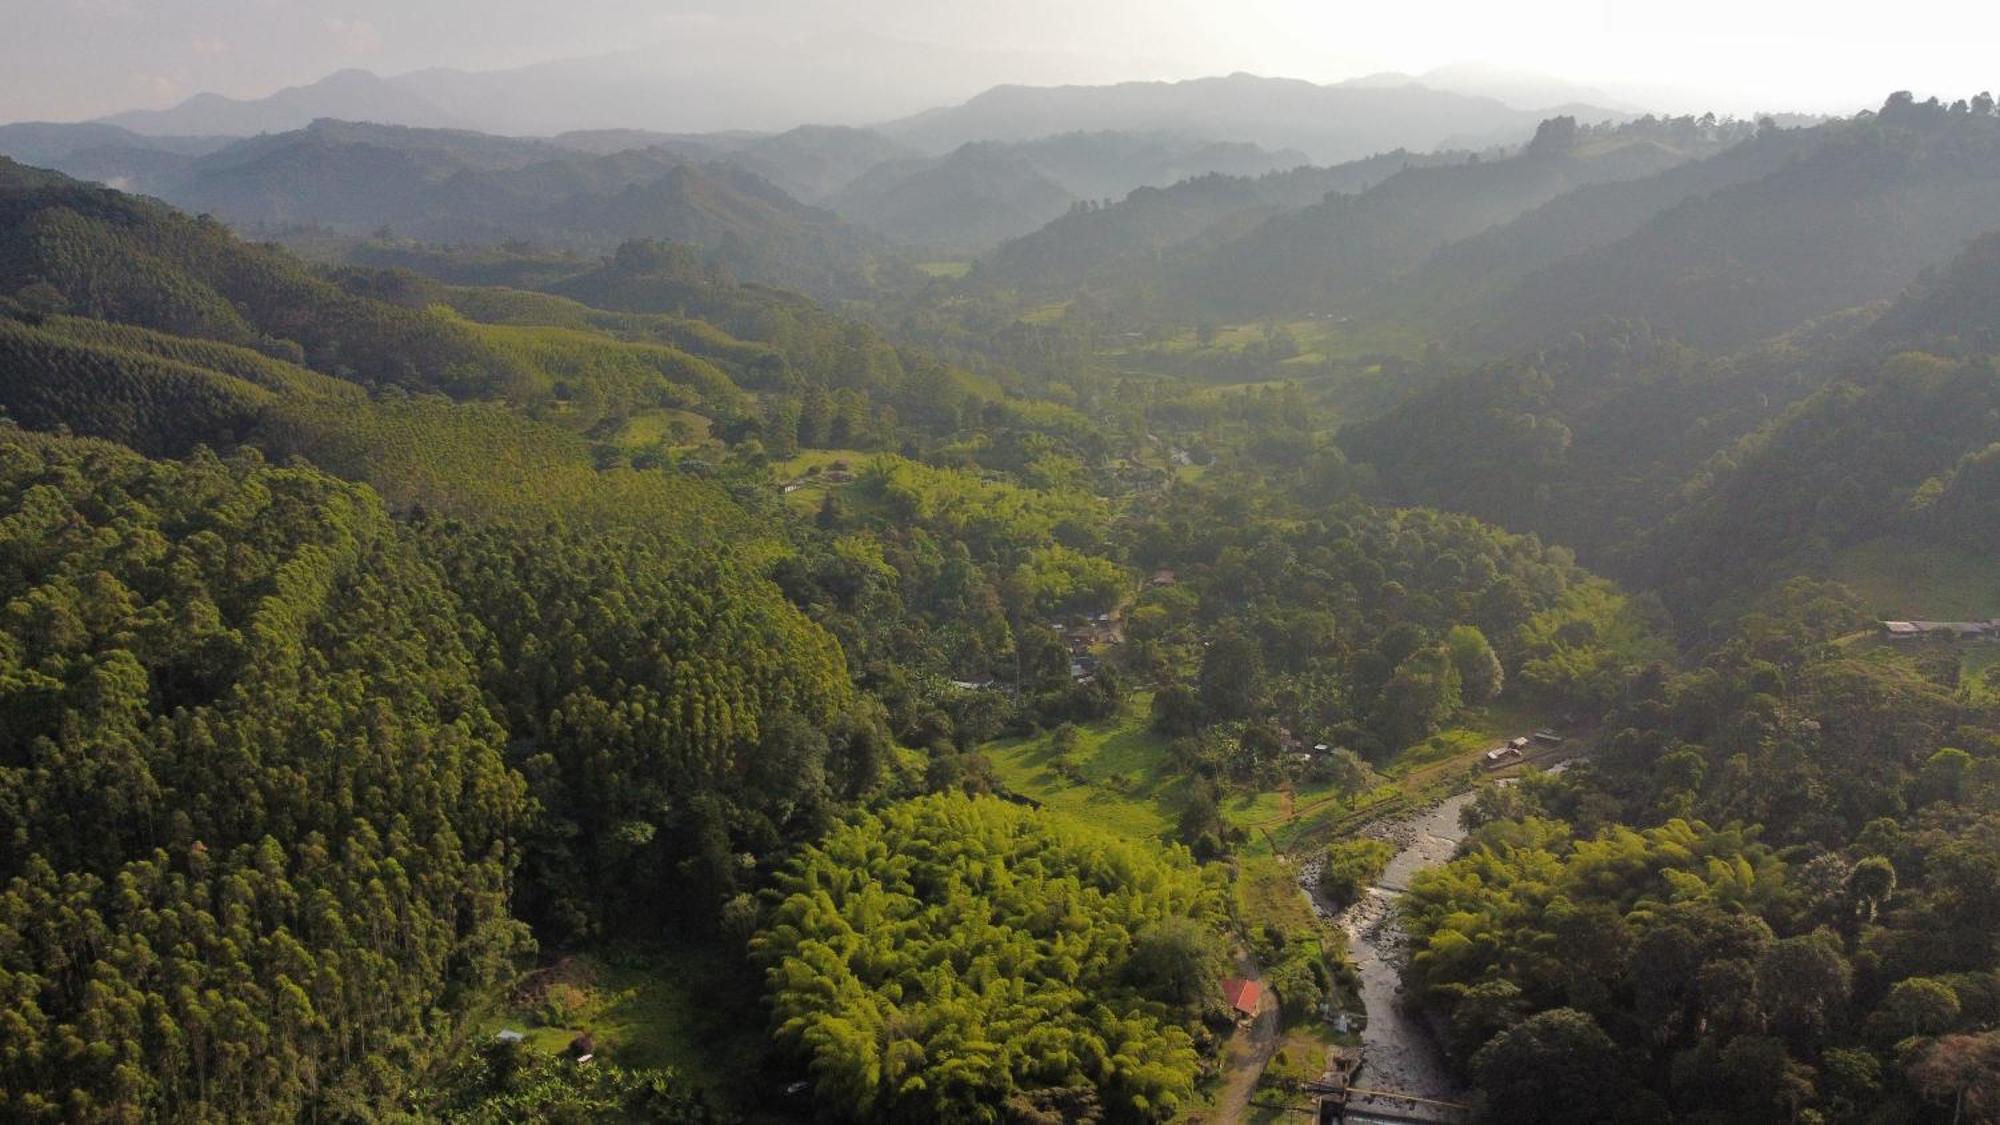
<point x="1518" y="745"/>
<point x="1500" y="756"/>
<point x="1242" y="995"/>
<point x="1161" y="578"/>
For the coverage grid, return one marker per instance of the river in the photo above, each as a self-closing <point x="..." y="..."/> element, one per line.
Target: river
<point x="1398" y="1051"/>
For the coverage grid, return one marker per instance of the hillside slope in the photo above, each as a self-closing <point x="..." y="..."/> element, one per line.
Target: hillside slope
<point x="1855" y="219"/>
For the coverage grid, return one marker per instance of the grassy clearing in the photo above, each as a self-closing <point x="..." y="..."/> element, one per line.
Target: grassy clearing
<point x="822" y="459"/>
<point x="1977" y="660"/>
<point x="1126" y="784"/>
<point x="1319" y="340"/>
<point x="1478" y="731"/>
<point x="951" y="270"/>
<point x="1903" y="580"/>
<point x="804" y="470"/>
<point x="1267" y="893"/>
<point x="649" y="428"/>
<point x="1975" y="664"/>
<point x="1301" y="1054"/>
<point x="672" y="1006"/>
<point x="1439" y="749"/>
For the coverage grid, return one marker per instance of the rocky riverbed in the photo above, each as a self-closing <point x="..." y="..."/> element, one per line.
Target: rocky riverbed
<point x="1399" y="1050"/>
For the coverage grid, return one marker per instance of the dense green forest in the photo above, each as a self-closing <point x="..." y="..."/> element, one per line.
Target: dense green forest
<point x="1771" y="894"/>
<point x="560" y="670"/>
<point x="949" y="955"/>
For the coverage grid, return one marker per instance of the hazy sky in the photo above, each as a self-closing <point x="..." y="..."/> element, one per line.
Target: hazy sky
<point x="65" y="59"/>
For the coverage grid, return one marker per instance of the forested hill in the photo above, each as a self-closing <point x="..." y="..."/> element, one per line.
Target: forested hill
<point x="1714" y="477"/>
<point x="427" y="726"/>
<point x="469" y="187"/>
<point x="1346" y="245"/>
<point x="258" y="815"/>
<point x="1854" y="219"/>
<point x="970" y="199"/>
<point x="1094" y="238"/>
<point x="354" y="178"/>
<point x="1455" y="281"/>
<point x="981" y="193"/>
<point x="68" y="246"/>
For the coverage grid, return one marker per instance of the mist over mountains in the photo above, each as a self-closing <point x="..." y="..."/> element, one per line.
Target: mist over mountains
<point x="357" y="151"/>
<point x="1330" y="123"/>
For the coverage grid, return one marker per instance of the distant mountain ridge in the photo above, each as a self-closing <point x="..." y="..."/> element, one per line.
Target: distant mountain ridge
<point x="1331" y="124"/>
<point x="461" y="183"/>
<point x="352" y="95"/>
<point x="985" y="192"/>
<point x="1520" y="89"/>
<point x="624" y="94"/>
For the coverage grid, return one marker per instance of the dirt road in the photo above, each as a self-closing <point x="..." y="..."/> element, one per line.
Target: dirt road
<point x="1249" y="1050"/>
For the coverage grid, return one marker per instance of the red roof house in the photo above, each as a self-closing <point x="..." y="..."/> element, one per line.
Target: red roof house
<point x="1242" y="994"/>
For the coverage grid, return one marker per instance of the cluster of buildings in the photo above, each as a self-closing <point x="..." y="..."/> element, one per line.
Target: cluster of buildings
<point x="1517" y="748"/>
<point x="1084" y="636"/>
<point x="836" y="473"/>
<point x="1948" y="630"/>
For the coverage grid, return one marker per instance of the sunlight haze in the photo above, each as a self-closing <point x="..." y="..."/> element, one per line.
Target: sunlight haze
<point x="76" y="59"/>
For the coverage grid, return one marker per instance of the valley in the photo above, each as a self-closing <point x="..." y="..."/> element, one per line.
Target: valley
<point x="1102" y="603"/>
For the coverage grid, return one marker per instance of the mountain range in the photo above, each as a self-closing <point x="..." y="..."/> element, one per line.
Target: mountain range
<point x="1328" y="123"/>
<point x="461" y="184"/>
